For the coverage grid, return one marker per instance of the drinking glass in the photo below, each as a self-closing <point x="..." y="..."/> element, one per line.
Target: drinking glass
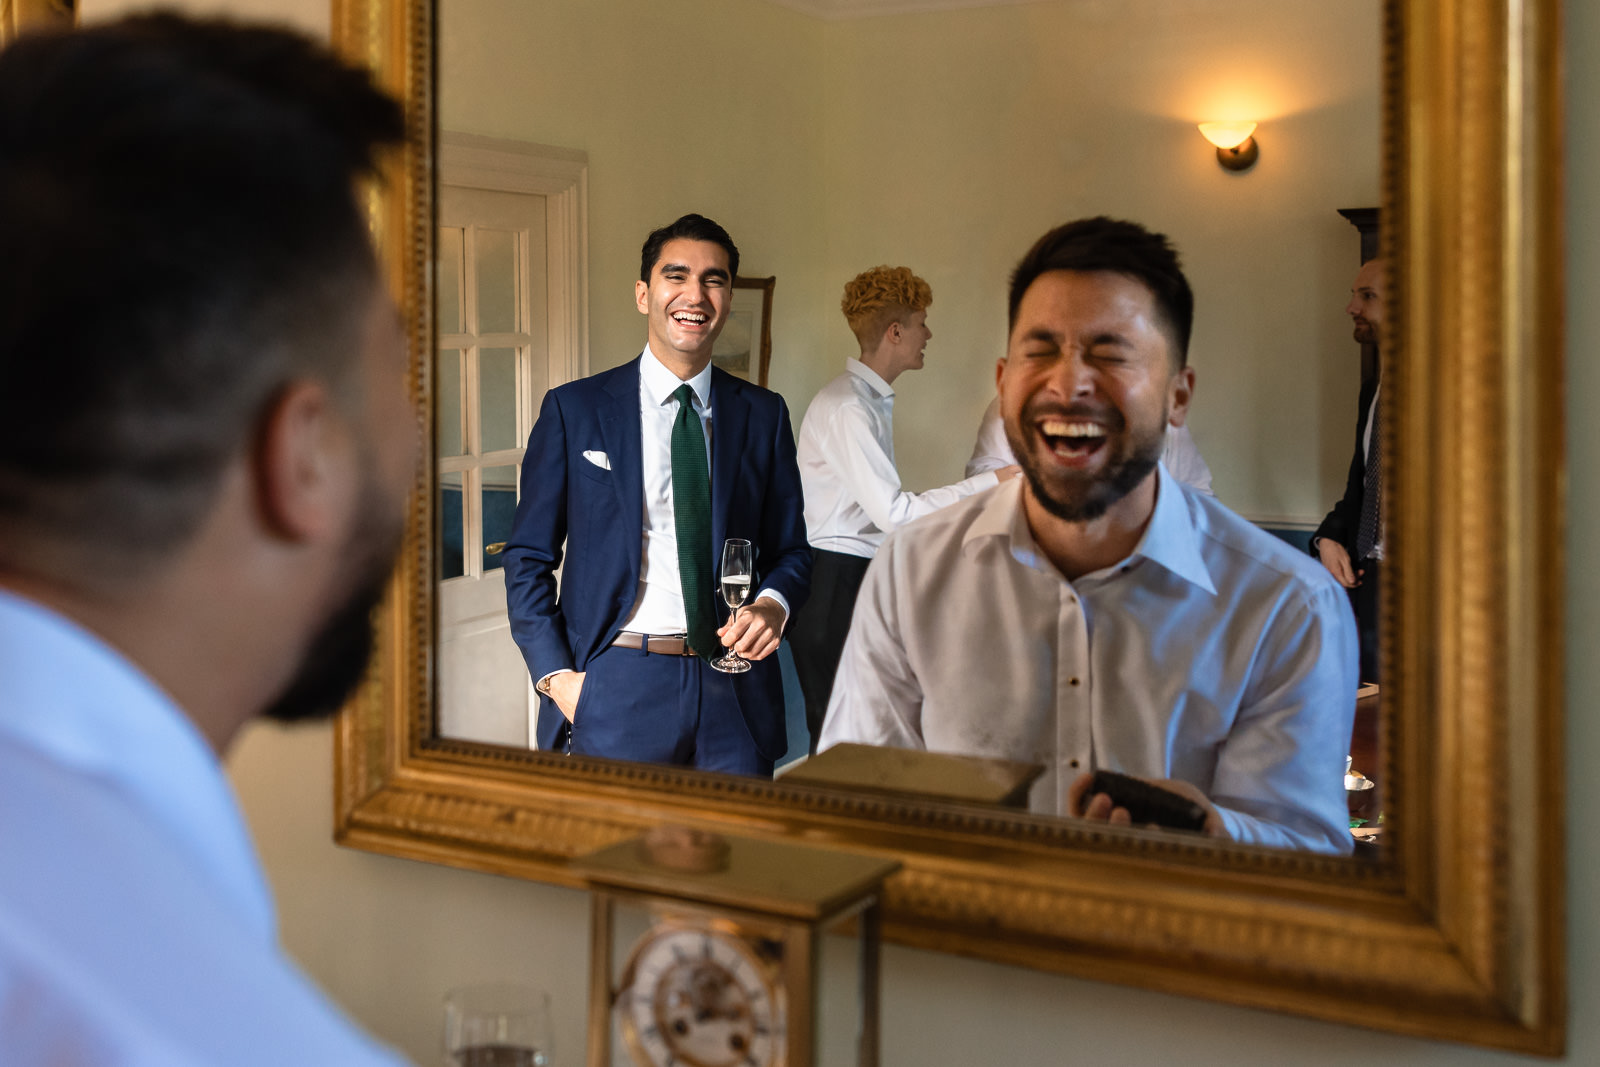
<point x="734" y="580"/>
<point x="497" y="1024"/>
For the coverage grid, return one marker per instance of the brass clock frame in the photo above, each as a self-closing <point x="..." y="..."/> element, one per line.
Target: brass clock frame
<point x="1458" y="931"/>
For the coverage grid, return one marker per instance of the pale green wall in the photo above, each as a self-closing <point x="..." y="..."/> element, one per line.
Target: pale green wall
<point x="948" y="142"/>
<point x="955" y="139"/>
<point x="681" y="107"/>
<point x="387" y="937"/>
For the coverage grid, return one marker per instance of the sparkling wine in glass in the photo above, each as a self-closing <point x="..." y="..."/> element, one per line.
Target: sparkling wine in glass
<point x="734" y="580"/>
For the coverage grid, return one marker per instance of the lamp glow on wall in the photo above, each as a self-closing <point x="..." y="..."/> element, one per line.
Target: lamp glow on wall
<point x="1236" y="149"/>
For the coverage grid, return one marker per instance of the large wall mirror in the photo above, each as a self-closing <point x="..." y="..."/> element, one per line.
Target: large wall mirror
<point x="1453" y="928"/>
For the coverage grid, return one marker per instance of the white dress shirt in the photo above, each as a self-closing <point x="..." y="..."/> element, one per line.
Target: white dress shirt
<point x="1366" y="456"/>
<point x="135" y="926"/>
<point x="658" y="607"/>
<point x="1214" y="653"/>
<point x="1179" y="455"/>
<point x="847" y="470"/>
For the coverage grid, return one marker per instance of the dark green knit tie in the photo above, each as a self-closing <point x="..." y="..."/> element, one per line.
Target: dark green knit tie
<point x="691" y="514"/>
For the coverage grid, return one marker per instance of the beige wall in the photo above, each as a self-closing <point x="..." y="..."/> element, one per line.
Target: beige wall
<point x="955" y="139"/>
<point x="387" y="937"/>
<point x="949" y="141"/>
<point x="727" y="138"/>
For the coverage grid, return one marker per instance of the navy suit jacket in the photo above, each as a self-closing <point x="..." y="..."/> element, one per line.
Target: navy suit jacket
<point x="1344" y="521"/>
<point x="593" y="519"/>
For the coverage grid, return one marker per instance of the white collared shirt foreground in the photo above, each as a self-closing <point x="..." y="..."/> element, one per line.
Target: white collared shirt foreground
<point x="847" y="469"/>
<point x="1214" y="653"/>
<point x="135" y="926"/>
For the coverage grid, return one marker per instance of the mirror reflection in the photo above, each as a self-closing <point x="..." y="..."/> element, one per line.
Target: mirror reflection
<point x="946" y="141"/>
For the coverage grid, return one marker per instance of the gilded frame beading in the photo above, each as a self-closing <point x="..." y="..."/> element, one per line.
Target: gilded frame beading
<point x="1459" y="931"/>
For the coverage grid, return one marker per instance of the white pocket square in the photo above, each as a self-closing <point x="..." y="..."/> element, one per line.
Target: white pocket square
<point x="599" y="459"/>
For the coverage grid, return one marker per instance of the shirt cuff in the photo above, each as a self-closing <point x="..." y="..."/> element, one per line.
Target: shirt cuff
<point x="773" y="594"/>
<point x="537" y="682"/>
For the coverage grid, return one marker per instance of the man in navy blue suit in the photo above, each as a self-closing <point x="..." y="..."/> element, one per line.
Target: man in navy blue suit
<point x="634" y="477"/>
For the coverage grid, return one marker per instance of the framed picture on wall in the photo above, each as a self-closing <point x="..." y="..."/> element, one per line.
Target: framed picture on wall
<point x="744" y="347"/>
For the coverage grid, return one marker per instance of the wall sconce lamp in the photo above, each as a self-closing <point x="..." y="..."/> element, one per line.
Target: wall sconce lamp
<point x="1236" y="149"/>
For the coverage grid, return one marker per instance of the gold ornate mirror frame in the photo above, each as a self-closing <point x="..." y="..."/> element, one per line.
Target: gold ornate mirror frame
<point x="1458" y="931"/>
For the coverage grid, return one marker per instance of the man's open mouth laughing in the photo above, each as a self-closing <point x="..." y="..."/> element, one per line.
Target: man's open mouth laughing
<point x="1072" y="439"/>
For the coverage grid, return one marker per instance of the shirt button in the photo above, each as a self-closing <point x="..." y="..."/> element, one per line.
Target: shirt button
<point x="1072" y="681"/>
<point x="1073" y="764"/>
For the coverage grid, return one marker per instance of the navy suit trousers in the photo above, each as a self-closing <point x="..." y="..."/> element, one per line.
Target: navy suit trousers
<point x="655" y="708"/>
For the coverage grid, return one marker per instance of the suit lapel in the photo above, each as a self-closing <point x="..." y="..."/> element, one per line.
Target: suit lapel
<point x="730" y="425"/>
<point x="619" y="427"/>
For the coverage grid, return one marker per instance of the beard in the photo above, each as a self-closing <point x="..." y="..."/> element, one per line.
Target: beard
<point x="336" y="660"/>
<point x="1365" y="333"/>
<point x="1081" y="496"/>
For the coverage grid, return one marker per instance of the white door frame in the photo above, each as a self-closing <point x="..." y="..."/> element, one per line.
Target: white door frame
<point x="561" y="176"/>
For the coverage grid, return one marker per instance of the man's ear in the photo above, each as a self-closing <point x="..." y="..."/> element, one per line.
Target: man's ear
<point x="303" y="464"/>
<point x="641" y="297"/>
<point x="999" y="373"/>
<point x="1180" y="392"/>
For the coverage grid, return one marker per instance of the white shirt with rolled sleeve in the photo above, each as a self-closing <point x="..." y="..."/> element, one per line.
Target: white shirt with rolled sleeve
<point x="846" y="452"/>
<point x="1214" y="653"/>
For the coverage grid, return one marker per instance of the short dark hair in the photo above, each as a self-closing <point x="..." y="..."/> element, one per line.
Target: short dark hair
<point x="693" y="228"/>
<point x="1104" y="244"/>
<point x="181" y="239"/>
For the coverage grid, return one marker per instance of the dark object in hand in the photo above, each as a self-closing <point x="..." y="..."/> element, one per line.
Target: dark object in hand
<point x="1147" y="803"/>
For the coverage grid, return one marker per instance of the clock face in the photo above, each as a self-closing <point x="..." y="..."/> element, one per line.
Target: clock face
<point x="695" y="994"/>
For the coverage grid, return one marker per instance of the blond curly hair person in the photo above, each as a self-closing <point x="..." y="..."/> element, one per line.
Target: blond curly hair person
<point x="847" y="469"/>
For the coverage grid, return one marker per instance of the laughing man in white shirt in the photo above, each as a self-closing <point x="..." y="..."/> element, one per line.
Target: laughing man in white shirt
<point x="852" y="490"/>
<point x="1096" y="613"/>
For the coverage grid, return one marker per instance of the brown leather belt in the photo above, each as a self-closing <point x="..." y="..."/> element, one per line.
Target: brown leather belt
<point x="677" y="645"/>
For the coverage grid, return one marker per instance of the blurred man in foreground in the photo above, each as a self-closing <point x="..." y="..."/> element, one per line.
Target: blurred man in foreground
<point x="205" y="442"/>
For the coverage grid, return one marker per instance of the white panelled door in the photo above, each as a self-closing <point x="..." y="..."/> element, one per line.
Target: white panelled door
<point x="493" y="369"/>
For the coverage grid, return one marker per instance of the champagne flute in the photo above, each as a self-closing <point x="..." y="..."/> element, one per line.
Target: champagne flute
<point x="734" y="579"/>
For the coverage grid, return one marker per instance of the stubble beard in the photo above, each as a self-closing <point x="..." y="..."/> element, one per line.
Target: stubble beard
<point x="1085" y="496"/>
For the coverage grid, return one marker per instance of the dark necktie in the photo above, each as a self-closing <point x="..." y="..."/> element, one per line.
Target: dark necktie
<point x="691" y="515"/>
<point x="1371" y="487"/>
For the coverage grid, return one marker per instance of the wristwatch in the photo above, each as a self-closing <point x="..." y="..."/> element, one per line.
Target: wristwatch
<point x="542" y="686"/>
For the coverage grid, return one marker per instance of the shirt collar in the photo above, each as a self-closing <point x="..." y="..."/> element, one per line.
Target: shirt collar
<point x="73" y="700"/>
<point x="1170" y="540"/>
<point x="873" y="379"/>
<point x="659" y="383"/>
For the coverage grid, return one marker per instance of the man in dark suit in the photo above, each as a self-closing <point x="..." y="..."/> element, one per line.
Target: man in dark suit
<point x="634" y="477"/>
<point x="1350" y="540"/>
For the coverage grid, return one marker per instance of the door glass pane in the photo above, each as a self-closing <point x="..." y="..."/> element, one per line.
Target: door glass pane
<point x="497" y="281"/>
<point x="499" y="507"/>
<point x="453" y="523"/>
<point x="497" y="398"/>
<point x="452" y="278"/>
<point x="448" y="386"/>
